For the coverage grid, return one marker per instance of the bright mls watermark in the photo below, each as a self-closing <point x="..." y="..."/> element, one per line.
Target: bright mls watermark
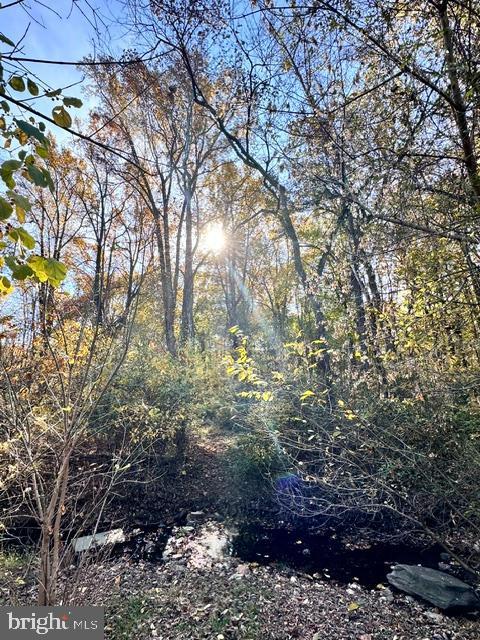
<point x="25" y="623"/>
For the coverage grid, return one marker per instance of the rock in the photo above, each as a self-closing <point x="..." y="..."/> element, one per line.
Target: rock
<point x="242" y="570"/>
<point x="195" y="517"/>
<point x="440" y="589"/>
<point x="150" y="547"/>
<point x="386" y="596"/>
<point x="207" y="547"/>
<point x="437" y="618"/>
<point x="101" y="539"/>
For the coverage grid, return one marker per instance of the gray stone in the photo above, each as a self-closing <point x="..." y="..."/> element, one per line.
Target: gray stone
<point x="438" y="588"/>
<point x="195" y="517"/>
<point x="436" y="618"/>
<point x="386" y="596"/>
<point x="100" y="539"/>
<point x="242" y="570"/>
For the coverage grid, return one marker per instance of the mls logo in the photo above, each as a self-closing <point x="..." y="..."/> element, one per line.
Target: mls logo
<point x="25" y="623"/>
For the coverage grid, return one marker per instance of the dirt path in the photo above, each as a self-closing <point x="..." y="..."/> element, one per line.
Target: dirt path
<point x="199" y="481"/>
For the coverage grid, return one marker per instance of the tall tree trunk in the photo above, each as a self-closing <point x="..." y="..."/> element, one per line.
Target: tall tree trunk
<point x="46" y="300"/>
<point x="98" y="282"/>
<point x="323" y="361"/>
<point x="167" y="293"/>
<point x="187" y="329"/>
<point x="162" y="234"/>
<point x="458" y="104"/>
<point x="355" y="283"/>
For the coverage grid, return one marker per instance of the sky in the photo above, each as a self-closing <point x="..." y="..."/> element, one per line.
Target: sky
<point x="58" y="30"/>
<point x="65" y="30"/>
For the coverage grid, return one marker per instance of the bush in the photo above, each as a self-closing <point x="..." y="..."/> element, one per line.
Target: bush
<point x="256" y="461"/>
<point x="398" y="463"/>
<point x="148" y="407"/>
<point x="257" y="458"/>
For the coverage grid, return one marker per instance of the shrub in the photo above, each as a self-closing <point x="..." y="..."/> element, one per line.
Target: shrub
<point x="400" y="464"/>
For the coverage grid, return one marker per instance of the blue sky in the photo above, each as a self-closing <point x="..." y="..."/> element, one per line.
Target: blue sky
<point x="63" y="33"/>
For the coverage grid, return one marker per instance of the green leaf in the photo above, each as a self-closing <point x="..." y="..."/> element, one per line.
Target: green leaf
<point x="31" y="131"/>
<point x="20" y="214"/>
<point x="32" y="87"/>
<point x="5" y="286"/>
<point x="17" y="83"/>
<point x="37" y="264"/>
<point x="6" y="171"/>
<point x="48" y="269"/>
<point x="41" y="151"/>
<point x="36" y="175"/>
<point x="25" y="238"/>
<point x="5" y="40"/>
<point x="13" y="235"/>
<point x="22" y="272"/>
<point x="6" y="209"/>
<point x="20" y="200"/>
<point x="61" y="117"/>
<point x="11" y="262"/>
<point x="48" y="179"/>
<point x="73" y="102"/>
<point x="11" y="165"/>
<point x="56" y="271"/>
<point x="53" y="94"/>
<point x="8" y="179"/>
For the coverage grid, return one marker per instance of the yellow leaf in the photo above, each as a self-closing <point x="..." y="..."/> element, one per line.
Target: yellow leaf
<point x="20" y="214"/>
<point x="306" y="394"/>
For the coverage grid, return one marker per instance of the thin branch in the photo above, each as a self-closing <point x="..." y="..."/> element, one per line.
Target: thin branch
<point x="82" y="136"/>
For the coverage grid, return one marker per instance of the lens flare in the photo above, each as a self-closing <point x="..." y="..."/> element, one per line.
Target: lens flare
<point x="214" y="239"/>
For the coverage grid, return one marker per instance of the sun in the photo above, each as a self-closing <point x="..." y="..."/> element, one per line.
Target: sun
<point x="214" y="239"/>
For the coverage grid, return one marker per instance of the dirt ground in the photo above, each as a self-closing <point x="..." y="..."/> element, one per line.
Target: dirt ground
<point x="228" y="599"/>
<point x="232" y="601"/>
